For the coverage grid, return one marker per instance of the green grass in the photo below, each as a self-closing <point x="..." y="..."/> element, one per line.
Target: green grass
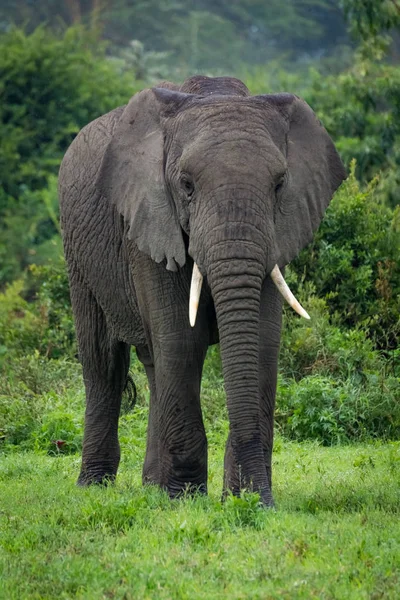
<point x="335" y="533"/>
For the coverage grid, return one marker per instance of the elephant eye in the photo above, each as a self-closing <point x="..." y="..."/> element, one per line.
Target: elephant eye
<point x="187" y="185"/>
<point x="279" y="185"/>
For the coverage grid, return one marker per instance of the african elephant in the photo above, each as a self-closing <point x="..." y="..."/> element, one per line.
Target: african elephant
<point x="205" y="179"/>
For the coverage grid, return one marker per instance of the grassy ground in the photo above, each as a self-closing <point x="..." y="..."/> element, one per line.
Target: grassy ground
<point x="335" y="533"/>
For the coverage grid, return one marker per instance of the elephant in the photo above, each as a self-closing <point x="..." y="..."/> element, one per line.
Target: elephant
<point x="179" y="212"/>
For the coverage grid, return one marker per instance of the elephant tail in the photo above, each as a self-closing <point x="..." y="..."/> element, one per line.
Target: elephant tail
<point x="129" y="396"/>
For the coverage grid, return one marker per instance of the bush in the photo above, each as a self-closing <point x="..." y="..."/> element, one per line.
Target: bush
<point x="353" y="263"/>
<point x="33" y="391"/>
<point x="44" y="324"/>
<point x="320" y="346"/>
<point x="60" y="433"/>
<point x="334" y="411"/>
<point x="50" y="88"/>
<point x="31" y="233"/>
<point x="53" y="300"/>
<point x="21" y="326"/>
<point x="360" y="107"/>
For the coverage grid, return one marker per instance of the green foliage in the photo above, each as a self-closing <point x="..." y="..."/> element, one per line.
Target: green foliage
<point x="235" y="33"/>
<point x="320" y="346"/>
<point x="333" y="412"/>
<point x="21" y="327"/>
<point x="60" y="433"/>
<point x="359" y="106"/>
<point x="371" y="21"/>
<point x="50" y="87"/>
<point x="336" y="386"/>
<point x="245" y="511"/>
<point x="44" y="326"/>
<point x="204" y="35"/>
<point x="353" y="263"/>
<point x="30" y="231"/>
<point x="53" y="301"/>
<point x="33" y="335"/>
<point x="34" y="391"/>
<point x="339" y="372"/>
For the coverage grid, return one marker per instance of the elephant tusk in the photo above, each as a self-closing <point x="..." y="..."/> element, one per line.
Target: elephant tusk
<point x="195" y="291"/>
<point x="284" y="289"/>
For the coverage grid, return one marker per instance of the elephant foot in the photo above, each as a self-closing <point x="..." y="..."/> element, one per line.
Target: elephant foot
<point x="267" y="500"/>
<point x="103" y="480"/>
<point x="235" y="485"/>
<point x="179" y="474"/>
<point x="96" y="475"/>
<point x="175" y="489"/>
<point x="188" y="490"/>
<point x="236" y="482"/>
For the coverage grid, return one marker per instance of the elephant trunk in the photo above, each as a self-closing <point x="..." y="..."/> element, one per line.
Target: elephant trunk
<point x="236" y="289"/>
<point x="232" y="241"/>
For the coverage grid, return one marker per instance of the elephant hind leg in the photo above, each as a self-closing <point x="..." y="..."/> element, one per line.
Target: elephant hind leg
<point x="105" y="363"/>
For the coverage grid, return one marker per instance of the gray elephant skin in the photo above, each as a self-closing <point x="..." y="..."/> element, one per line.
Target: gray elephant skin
<point x="201" y="173"/>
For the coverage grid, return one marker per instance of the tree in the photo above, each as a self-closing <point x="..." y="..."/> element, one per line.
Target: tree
<point x="372" y="22"/>
<point x="50" y="87"/>
<point x="199" y="34"/>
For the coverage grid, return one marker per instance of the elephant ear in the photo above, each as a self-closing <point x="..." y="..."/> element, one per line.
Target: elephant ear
<point x="314" y="172"/>
<point x="131" y="176"/>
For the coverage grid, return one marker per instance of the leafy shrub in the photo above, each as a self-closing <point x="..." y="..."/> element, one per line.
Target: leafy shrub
<point x="21" y="325"/>
<point x="334" y="411"/>
<point x="32" y="388"/>
<point x="353" y="263"/>
<point x="60" y="433"/>
<point x="30" y="232"/>
<point x="359" y="106"/>
<point x="53" y="300"/>
<point x="50" y="86"/>
<point x="318" y="346"/>
<point x="244" y="511"/>
<point x="44" y="325"/>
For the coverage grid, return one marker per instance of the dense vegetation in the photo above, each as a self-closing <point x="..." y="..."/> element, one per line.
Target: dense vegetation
<point x="189" y="35"/>
<point x="339" y="373"/>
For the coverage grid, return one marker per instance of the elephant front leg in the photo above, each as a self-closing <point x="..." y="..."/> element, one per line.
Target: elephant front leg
<point x="176" y="415"/>
<point x="176" y="455"/>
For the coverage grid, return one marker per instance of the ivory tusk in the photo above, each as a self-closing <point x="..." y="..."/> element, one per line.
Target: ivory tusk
<point x="195" y="290"/>
<point x="284" y="289"/>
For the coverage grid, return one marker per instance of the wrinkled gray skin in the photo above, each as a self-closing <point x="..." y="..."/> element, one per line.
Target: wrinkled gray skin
<point x="203" y="172"/>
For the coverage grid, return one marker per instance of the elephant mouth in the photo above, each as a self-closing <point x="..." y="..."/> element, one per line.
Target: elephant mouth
<point x="276" y="276"/>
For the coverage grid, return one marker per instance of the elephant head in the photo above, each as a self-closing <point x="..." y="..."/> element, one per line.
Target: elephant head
<point x="247" y="180"/>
